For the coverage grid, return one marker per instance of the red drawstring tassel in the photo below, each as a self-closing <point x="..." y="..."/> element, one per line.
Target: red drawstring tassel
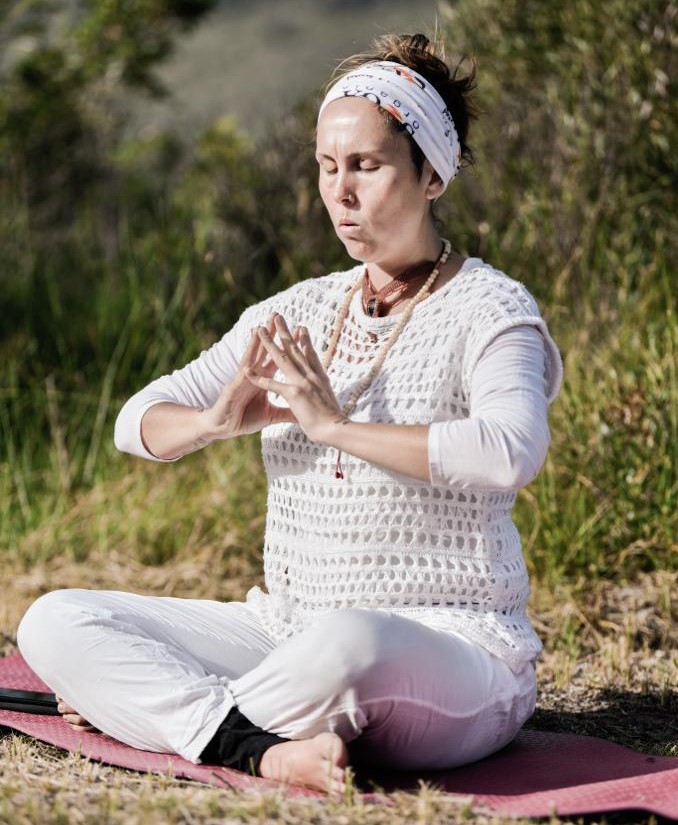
<point x="338" y="472"/>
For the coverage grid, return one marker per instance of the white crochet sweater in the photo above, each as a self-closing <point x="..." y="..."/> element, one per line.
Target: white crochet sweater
<point x="446" y="552"/>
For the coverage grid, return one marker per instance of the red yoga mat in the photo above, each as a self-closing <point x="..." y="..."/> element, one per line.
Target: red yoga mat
<point x="537" y="775"/>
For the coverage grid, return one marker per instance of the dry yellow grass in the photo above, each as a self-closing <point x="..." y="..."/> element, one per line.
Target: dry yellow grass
<point x="609" y="669"/>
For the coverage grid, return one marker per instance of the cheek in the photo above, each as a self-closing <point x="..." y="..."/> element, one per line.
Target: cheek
<point x="324" y="197"/>
<point x="325" y="189"/>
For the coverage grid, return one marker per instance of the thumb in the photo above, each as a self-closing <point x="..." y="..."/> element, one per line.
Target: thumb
<point x="281" y="415"/>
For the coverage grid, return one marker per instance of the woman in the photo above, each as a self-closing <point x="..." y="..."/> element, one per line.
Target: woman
<point x="401" y="403"/>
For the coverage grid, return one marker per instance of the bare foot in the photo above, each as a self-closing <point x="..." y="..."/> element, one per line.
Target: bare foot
<point x="70" y="715"/>
<point x="315" y="763"/>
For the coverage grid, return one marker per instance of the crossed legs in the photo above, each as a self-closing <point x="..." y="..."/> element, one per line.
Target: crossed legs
<point x="161" y="674"/>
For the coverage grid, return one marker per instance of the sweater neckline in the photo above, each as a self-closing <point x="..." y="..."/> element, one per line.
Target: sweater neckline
<point x="385" y="321"/>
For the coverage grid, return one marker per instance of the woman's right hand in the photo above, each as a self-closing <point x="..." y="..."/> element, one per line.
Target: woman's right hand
<point x="169" y="430"/>
<point x="241" y="407"/>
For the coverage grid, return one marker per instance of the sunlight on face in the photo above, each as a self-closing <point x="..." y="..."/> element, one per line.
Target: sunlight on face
<point x="369" y="184"/>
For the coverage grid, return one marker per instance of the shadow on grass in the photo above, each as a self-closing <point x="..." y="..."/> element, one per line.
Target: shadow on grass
<point x="645" y="720"/>
<point x="575" y="770"/>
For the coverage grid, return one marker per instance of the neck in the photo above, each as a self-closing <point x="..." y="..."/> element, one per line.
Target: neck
<point x="428" y="250"/>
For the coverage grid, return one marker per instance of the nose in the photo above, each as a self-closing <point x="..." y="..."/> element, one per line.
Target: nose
<point x="343" y="192"/>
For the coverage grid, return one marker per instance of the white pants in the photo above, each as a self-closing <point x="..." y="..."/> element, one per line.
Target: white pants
<point x="161" y="674"/>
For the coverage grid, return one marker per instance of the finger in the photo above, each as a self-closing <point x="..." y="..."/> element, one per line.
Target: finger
<point x="69" y="713"/>
<point x="63" y="707"/>
<point x="251" y="350"/>
<point x="82" y="727"/>
<point x="76" y="720"/>
<point x="286" y="336"/>
<point x="255" y="354"/>
<point x="281" y="357"/>
<point x="266" y="383"/>
<point x="299" y="339"/>
<point x="78" y="729"/>
<point x="266" y="362"/>
<point x="289" y="344"/>
<point x="311" y="355"/>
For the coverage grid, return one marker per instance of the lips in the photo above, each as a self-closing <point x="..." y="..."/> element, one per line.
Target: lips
<point x="349" y="230"/>
<point x="347" y="222"/>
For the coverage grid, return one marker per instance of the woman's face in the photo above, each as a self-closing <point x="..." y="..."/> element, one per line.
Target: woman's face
<point x="379" y="207"/>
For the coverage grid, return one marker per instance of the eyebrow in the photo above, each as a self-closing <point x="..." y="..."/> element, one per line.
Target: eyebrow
<point x="353" y="155"/>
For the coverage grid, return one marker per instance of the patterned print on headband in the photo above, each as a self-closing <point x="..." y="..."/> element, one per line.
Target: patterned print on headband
<point x="413" y="102"/>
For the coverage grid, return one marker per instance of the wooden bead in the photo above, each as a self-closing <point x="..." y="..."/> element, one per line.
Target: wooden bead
<point x="386" y="348"/>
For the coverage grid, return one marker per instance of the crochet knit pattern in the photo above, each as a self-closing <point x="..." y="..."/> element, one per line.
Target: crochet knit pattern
<point x="448" y="557"/>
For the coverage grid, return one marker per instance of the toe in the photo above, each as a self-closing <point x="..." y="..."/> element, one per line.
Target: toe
<point x="336" y="780"/>
<point x="337" y="787"/>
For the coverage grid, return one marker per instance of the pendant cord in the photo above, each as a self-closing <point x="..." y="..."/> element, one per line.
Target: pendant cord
<point x="386" y="348"/>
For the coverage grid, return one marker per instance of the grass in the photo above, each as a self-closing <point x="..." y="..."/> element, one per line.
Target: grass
<point x="107" y="795"/>
<point x="611" y="661"/>
<point x="609" y="669"/>
<point x="124" y="258"/>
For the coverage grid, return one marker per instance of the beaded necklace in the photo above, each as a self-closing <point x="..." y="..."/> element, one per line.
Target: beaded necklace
<point x="388" y="344"/>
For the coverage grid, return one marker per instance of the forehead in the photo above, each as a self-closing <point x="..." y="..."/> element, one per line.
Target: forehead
<point x="353" y="123"/>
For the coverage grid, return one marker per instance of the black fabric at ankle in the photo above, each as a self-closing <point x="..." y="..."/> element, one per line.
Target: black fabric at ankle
<point x="239" y="743"/>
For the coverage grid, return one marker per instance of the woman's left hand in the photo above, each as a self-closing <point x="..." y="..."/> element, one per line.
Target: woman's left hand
<point x="306" y="388"/>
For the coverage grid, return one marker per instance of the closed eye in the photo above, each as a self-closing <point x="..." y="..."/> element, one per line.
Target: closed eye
<point x="328" y="170"/>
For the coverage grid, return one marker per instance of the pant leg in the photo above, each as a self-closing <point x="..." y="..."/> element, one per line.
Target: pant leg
<point x="405" y="695"/>
<point x="161" y="674"/>
<point x="150" y="671"/>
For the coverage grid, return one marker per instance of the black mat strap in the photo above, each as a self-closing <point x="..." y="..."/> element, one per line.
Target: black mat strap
<point x="28" y="701"/>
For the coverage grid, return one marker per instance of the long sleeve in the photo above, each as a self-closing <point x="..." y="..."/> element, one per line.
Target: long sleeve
<point x="503" y="442"/>
<point x="198" y="384"/>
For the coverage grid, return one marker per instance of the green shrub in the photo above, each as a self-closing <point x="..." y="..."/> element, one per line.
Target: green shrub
<point x="123" y="258"/>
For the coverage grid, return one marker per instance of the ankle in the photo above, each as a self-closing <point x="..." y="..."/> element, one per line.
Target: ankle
<point x="239" y="743"/>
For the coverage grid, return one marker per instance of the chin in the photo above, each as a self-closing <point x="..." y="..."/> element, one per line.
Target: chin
<point x="358" y="250"/>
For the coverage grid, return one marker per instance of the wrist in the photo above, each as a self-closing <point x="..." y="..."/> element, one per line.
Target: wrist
<point x="333" y="431"/>
<point x="204" y="433"/>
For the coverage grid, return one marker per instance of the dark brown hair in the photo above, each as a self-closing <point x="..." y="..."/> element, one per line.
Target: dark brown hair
<point x="417" y="52"/>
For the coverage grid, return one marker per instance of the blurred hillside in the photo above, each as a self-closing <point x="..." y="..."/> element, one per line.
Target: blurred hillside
<point x="256" y="59"/>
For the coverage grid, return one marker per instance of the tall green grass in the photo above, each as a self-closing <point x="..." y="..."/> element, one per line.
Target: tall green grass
<point x="153" y="257"/>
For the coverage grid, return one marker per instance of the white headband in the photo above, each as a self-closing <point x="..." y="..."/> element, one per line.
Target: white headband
<point x="414" y="102"/>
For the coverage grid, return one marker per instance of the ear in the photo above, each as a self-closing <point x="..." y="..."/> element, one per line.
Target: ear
<point x="434" y="184"/>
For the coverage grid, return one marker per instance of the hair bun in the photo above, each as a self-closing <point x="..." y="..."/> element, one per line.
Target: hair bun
<point x="427" y="57"/>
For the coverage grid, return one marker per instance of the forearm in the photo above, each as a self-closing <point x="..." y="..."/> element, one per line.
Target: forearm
<point x="402" y="448"/>
<point x="169" y="431"/>
<point x="503" y="443"/>
<point x="500" y="446"/>
<point x="158" y="428"/>
<point x="168" y="435"/>
<point x="471" y="452"/>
